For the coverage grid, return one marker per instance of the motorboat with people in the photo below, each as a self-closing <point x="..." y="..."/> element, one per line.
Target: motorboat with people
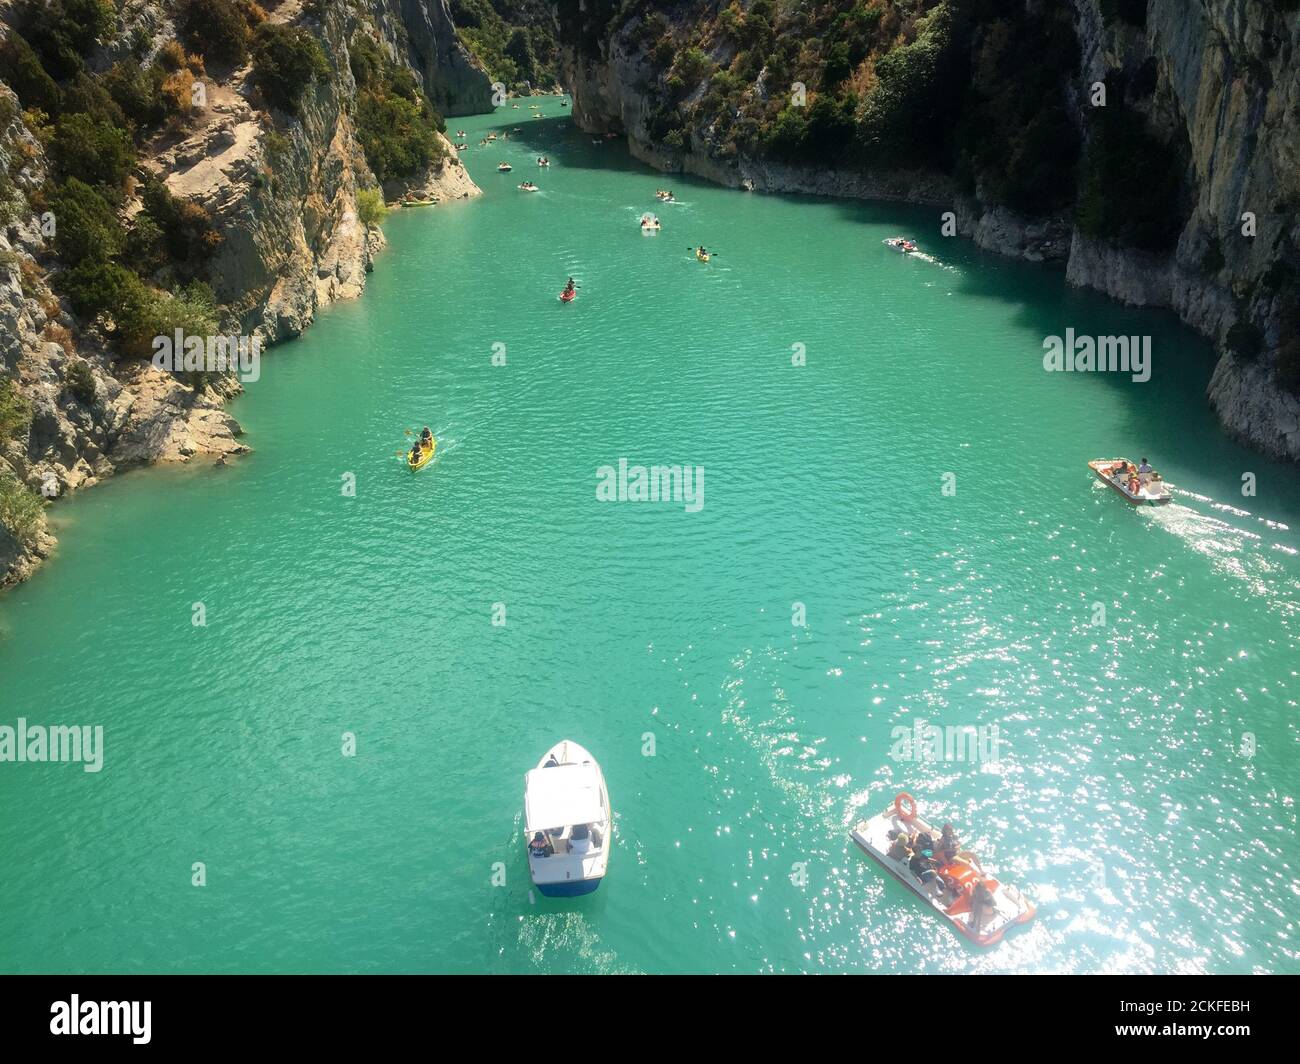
<point x="567" y="822"/>
<point x="901" y="243"/>
<point x="504" y="168"/>
<point x="528" y="186"/>
<point x="491" y="136"/>
<point x="543" y="161"/>
<point x="1139" y="484"/>
<point x="461" y="133"/>
<point x="748" y="184"/>
<point x="930" y="862"/>
<point x="664" y="195"/>
<point x="650" y="223"/>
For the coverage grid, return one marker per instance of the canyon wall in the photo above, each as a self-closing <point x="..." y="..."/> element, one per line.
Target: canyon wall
<point x="1226" y="88"/>
<point x="281" y="192"/>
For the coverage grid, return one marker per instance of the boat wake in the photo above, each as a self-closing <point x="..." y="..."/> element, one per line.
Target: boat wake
<point x="1239" y="543"/>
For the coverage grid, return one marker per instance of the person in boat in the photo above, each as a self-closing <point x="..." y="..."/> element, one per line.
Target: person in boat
<point x="922" y="866"/>
<point x="982" y="906"/>
<point x="415" y="452"/>
<point x="568" y="288"/>
<point x="923" y="841"/>
<point x="899" y="849"/>
<point x="580" y="840"/>
<point x="426" y="437"/>
<point x="947" y="846"/>
<point x="700" y="251"/>
<point x="539" y="846"/>
<point x="551" y="762"/>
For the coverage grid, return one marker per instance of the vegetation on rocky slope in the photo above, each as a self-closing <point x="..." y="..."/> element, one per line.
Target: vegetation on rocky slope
<point x="974" y="88"/>
<point x="513" y="40"/>
<point x="396" y="124"/>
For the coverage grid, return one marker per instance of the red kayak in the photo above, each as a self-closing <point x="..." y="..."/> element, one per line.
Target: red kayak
<point x="568" y="296"/>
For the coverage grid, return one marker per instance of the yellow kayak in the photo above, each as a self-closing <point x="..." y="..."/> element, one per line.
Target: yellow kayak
<point x="425" y="454"/>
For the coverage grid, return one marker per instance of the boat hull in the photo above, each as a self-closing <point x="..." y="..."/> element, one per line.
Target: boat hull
<point x="426" y="456"/>
<point x="575" y="889"/>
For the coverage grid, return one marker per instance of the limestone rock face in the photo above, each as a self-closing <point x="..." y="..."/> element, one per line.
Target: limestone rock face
<point x="282" y="193"/>
<point x="453" y="79"/>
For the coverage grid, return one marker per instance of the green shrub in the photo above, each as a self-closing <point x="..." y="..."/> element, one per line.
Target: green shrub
<point x="87" y="95"/>
<point x="22" y="511"/>
<point x="80" y="383"/>
<point x="15" y="411"/>
<point x="371" y="208"/>
<point x="286" y="59"/>
<point x="92" y="150"/>
<point x="86" y="227"/>
<point x="189" y="236"/>
<point x="215" y="29"/>
<point x="914" y="99"/>
<point x="137" y="92"/>
<point x="396" y="125"/>
<point x="63" y="31"/>
<point x="95" y="286"/>
<point x="22" y="71"/>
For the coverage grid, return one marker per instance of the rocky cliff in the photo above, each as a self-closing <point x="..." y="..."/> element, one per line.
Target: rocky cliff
<point x="282" y="195"/>
<point x="1221" y="82"/>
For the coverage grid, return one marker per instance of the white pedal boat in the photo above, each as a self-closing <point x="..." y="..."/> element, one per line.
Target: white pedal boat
<point x="1151" y="489"/>
<point x="567" y="805"/>
<point x="1010" y="907"/>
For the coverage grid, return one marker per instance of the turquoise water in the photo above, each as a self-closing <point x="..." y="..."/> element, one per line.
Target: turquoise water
<point x="1121" y="801"/>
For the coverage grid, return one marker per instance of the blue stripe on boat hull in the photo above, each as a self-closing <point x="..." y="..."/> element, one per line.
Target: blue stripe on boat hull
<point x="568" y="889"/>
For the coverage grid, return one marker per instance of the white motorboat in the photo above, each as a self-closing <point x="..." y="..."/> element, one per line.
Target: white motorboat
<point x="567" y="822"/>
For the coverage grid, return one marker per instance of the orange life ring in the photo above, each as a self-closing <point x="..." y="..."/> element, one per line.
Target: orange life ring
<point x="904" y="798"/>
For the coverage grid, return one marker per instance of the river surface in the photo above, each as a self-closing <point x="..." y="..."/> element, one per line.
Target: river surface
<point x="915" y="492"/>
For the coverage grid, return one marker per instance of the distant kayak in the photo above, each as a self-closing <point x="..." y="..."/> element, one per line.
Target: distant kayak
<point x="568" y="296"/>
<point x="703" y="256"/>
